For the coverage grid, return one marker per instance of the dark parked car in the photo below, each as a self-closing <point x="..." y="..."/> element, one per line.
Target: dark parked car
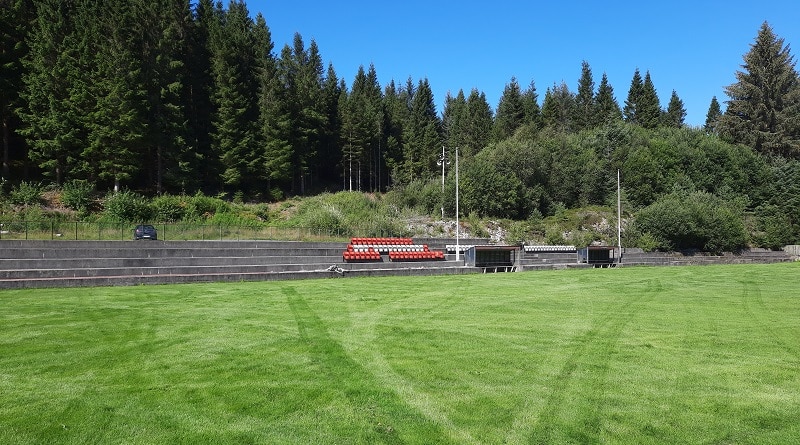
<point x="144" y="231"/>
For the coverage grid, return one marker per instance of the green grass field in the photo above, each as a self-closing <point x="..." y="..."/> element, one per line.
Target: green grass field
<point x="705" y="355"/>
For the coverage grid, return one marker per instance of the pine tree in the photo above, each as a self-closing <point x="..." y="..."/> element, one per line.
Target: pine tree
<point x="52" y="118"/>
<point x="16" y="17"/>
<point x="454" y="120"/>
<point x="478" y="123"/>
<point x="201" y="159"/>
<point x="631" y="110"/>
<point x="116" y="97"/>
<point x="163" y="27"/>
<point x="558" y="109"/>
<point x="235" y="70"/>
<point x="585" y="99"/>
<point x="712" y="116"/>
<point x="764" y="107"/>
<point x="676" y="113"/>
<point x="530" y="104"/>
<point x="397" y="114"/>
<point x="607" y="108"/>
<point x="422" y="139"/>
<point x="510" y="111"/>
<point x="648" y="109"/>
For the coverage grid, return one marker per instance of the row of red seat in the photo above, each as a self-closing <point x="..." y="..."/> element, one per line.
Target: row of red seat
<point x="381" y="241"/>
<point x="370" y="255"/>
<point x="416" y="256"/>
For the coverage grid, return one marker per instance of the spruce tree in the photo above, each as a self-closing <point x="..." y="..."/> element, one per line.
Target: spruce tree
<point x="52" y="118"/>
<point x="510" y="111"/>
<point x="713" y="116"/>
<point x="397" y="112"/>
<point x="676" y="113"/>
<point x="648" y="109"/>
<point x="478" y="123"/>
<point x="530" y="104"/>
<point x="454" y="120"/>
<point x="585" y="99"/>
<point x="16" y="17"/>
<point x="422" y="141"/>
<point x="235" y="70"/>
<point x="607" y="108"/>
<point x="631" y="110"/>
<point x="764" y="107"/>
<point x="558" y="109"/>
<point x="202" y="160"/>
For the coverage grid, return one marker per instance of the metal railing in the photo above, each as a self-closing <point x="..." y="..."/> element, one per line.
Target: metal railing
<point x="90" y="231"/>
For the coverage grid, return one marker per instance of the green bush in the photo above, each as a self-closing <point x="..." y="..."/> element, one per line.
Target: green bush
<point x="126" y="206"/>
<point x="697" y="220"/>
<point x="26" y="193"/>
<point x="77" y="195"/>
<point x="169" y="208"/>
<point x="201" y="207"/>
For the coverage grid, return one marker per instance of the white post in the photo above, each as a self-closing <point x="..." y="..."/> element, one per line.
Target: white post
<point x="619" y="219"/>
<point x="458" y="248"/>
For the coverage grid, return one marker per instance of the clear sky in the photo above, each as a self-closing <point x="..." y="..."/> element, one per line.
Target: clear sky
<point x="692" y="47"/>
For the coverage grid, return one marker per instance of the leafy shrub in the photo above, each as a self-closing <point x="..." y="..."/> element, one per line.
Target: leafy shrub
<point x="693" y="221"/>
<point x="169" y="208"/>
<point x="77" y="195"/>
<point x="126" y="206"/>
<point x="201" y="206"/>
<point x="26" y="193"/>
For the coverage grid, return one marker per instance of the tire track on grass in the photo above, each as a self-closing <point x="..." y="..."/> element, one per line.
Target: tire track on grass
<point x="356" y="383"/>
<point x="763" y="319"/>
<point x="578" y="370"/>
<point x="376" y="362"/>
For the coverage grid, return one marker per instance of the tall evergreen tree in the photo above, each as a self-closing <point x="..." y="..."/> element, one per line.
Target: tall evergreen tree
<point x="713" y="116"/>
<point x="454" y="120"/>
<point x="676" y="113"/>
<point x="163" y="27"/>
<point x="52" y="118"/>
<point x="510" y="111"/>
<point x="397" y="112"/>
<point x="201" y="159"/>
<point x="631" y="110"/>
<point x="422" y="139"/>
<point x="478" y="123"/>
<point x="764" y="107"/>
<point x="585" y="99"/>
<point x="648" y="109"/>
<point x="16" y="17"/>
<point x="331" y="152"/>
<point x="530" y="104"/>
<point x="235" y="70"/>
<point x="607" y="108"/>
<point x="115" y="96"/>
<point x="301" y="74"/>
<point x="558" y="108"/>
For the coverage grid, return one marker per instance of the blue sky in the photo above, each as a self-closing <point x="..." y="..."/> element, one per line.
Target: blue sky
<point x="692" y="47"/>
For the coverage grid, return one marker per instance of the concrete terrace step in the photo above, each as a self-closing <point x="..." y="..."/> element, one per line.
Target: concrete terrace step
<point x="131" y="280"/>
<point x="98" y="263"/>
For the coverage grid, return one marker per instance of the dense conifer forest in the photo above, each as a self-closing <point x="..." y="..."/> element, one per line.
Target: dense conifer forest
<point x="172" y="97"/>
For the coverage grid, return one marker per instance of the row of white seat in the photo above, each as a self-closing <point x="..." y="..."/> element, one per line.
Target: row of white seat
<point x="386" y="249"/>
<point x="451" y="248"/>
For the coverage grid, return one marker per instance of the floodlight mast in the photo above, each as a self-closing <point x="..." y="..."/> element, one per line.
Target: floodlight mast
<point x="619" y="217"/>
<point x="443" y="161"/>
<point x="458" y="247"/>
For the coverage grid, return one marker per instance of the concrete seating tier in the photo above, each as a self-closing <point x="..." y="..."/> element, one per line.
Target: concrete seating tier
<point x="32" y="264"/>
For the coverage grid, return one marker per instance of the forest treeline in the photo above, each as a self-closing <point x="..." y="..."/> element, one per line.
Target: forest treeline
<point x="180" y="97"/>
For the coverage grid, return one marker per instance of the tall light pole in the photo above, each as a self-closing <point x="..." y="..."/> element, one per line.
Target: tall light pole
<point x="458" y="248"/>
<point x="443" y="161"/>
